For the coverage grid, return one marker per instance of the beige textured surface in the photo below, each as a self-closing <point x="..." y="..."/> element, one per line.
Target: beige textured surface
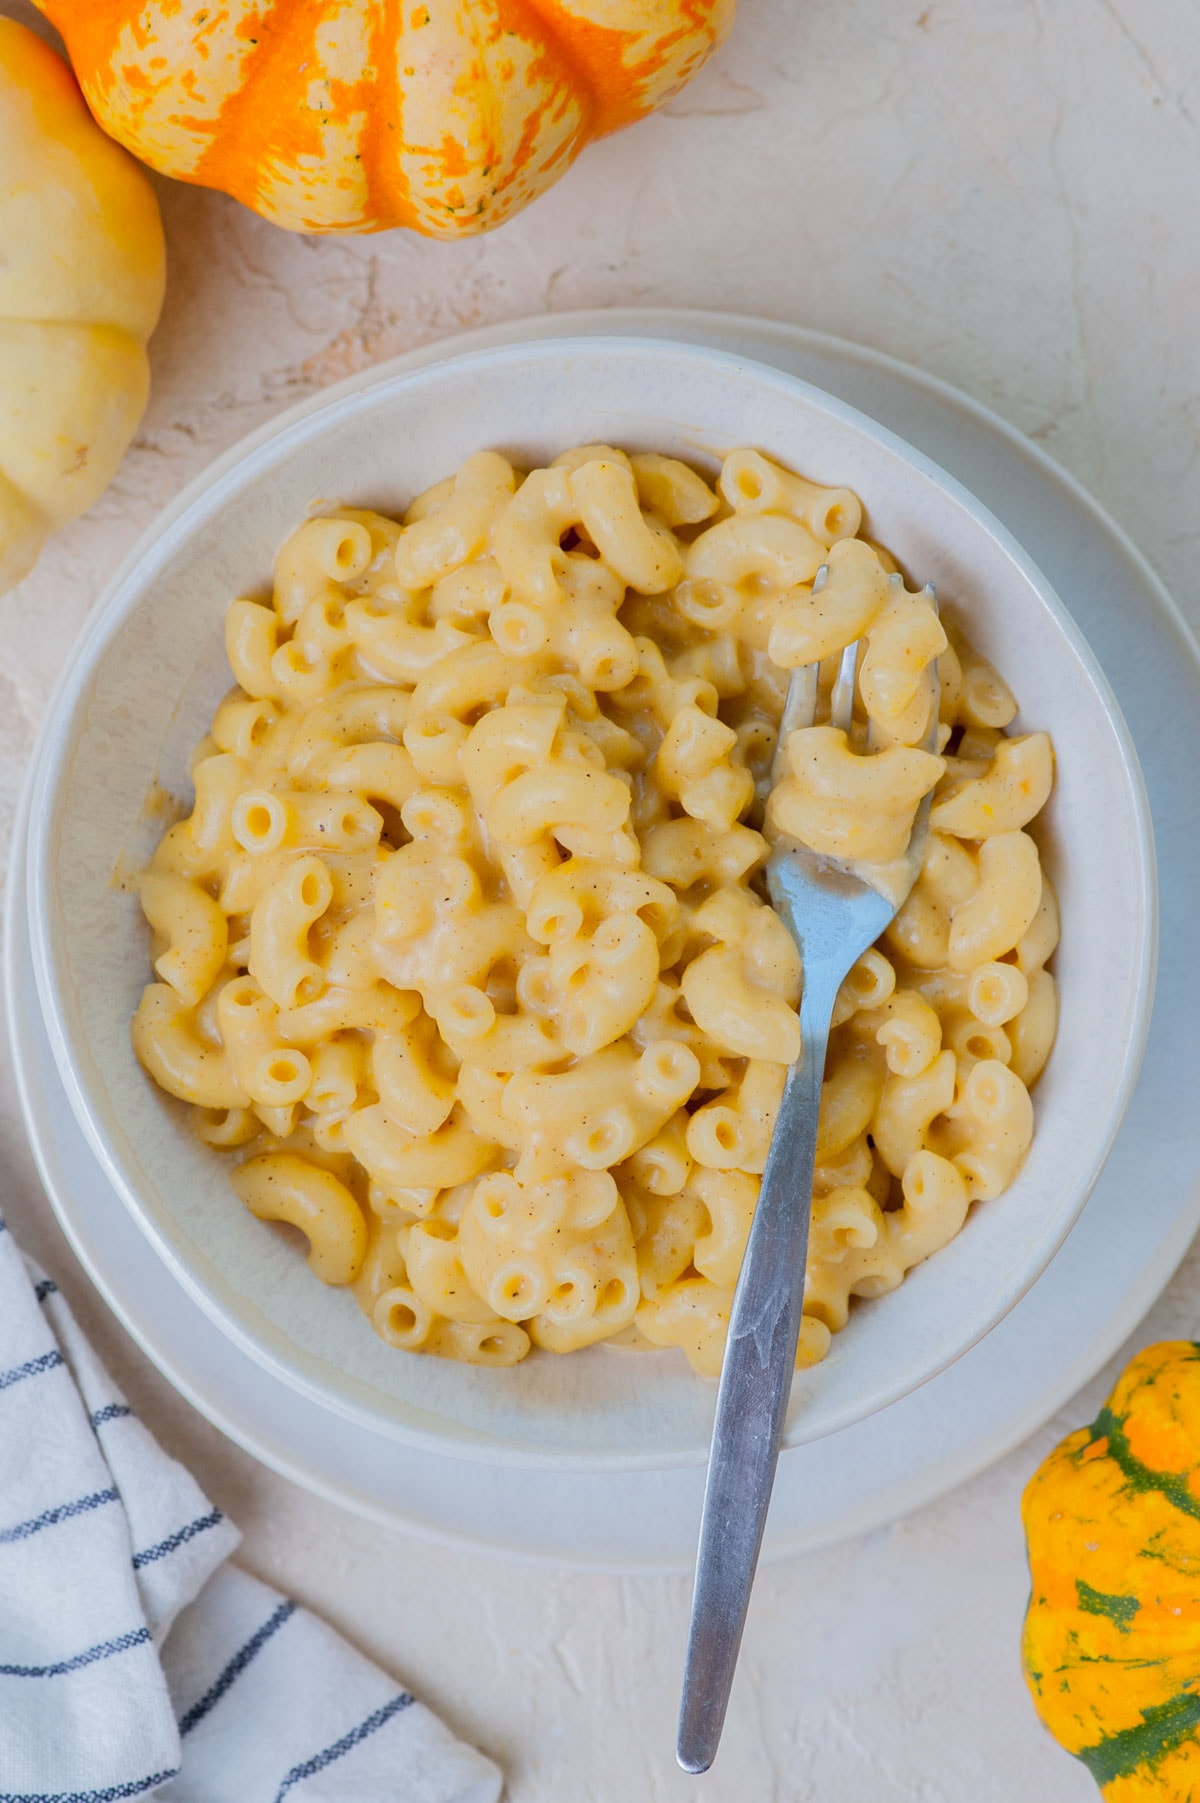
<point x="1005" y="196"/>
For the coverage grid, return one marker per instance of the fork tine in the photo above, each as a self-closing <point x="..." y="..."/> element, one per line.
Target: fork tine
<point x="800" y="707"/>
<point x="841" y="702"/>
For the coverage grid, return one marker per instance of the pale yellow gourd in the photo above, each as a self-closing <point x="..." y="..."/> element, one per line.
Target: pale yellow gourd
<point x="82" y="269"/>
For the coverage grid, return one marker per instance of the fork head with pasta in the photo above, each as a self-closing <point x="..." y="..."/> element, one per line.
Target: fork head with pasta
<point x="462" y="949"/>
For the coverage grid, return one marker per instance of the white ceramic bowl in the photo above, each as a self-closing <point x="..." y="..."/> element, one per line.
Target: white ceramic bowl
<point x="141" y="691"/>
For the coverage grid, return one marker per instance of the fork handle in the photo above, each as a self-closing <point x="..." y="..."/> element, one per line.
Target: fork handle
<point x="760" y="1358"/>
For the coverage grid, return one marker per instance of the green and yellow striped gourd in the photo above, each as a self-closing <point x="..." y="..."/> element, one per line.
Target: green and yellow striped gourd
<point x="1112" y="1638"/>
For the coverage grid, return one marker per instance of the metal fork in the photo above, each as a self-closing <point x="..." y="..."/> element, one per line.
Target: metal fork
<point x="833" y="916"/>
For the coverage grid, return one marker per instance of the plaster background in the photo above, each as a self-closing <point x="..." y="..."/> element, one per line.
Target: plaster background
<point x="1004" y="194"/>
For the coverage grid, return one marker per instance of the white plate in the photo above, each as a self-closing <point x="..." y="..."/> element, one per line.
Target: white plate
<point x="1122" y="1250"/>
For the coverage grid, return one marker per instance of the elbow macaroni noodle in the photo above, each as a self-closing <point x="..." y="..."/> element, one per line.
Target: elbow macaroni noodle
<point x="464" y="945"/>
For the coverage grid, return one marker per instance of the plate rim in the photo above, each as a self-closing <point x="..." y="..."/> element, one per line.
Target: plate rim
<point x="951" y="1470"/>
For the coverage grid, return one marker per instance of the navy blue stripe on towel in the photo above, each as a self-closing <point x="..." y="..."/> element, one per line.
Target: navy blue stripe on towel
<point x="82" y="1506"/>
<point x="347" y="1743"/>
<point x="47" y="1287"/>
<point x="112" y="1411"/>
<point x="234" y="1669"/>
<point x="33" y="1368"/>
<point x="105" y="1650"/>
<point x="174" y="1541"/>
<point x="113" y="1793"/>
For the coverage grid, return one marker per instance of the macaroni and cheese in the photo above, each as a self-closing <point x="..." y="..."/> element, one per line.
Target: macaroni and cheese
<point x="464" y="944"/>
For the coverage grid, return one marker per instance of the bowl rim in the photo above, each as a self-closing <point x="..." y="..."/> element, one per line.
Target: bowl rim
<point x="201" y="500"/>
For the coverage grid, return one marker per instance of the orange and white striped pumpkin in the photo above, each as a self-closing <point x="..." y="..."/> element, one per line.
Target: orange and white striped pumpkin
<point x="447" y="116"/>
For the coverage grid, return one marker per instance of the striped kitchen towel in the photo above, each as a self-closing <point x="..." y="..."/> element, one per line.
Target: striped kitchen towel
<point x="134" y="1661"/>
